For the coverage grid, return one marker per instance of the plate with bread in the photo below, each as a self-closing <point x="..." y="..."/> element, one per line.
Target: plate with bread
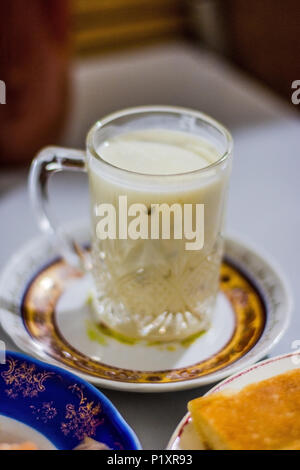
<point x="256" y="409"/>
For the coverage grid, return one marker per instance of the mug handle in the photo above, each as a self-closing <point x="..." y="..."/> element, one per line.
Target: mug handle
<point x="48" y="161"/>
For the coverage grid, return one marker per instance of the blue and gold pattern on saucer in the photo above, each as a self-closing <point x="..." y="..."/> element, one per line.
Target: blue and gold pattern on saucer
<point x="60" y="406"/>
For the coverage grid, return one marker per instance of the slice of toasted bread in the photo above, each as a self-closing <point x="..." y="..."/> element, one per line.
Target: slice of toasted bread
<point x="264" y="415"/>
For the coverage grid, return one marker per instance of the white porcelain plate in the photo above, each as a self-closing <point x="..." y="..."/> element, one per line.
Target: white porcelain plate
<point x="46" y="312"/>
<point x="185" y="436"/>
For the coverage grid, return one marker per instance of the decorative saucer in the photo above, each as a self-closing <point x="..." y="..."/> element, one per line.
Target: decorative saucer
<point x="56" y="409"/>
<point x="185" y="436"/>
<point x="47" y="313"/>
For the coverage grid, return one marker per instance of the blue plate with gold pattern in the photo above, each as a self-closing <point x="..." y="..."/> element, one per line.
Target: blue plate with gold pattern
<point x="55" y="409"/>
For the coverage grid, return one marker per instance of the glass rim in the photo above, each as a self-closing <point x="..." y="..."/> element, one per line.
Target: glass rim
<point x="101" y="123"/>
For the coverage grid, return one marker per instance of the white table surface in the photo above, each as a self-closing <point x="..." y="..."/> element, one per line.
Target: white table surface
<point x="265" y="188"/>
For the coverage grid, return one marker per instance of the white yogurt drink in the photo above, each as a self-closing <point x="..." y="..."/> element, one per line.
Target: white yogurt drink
<point x="156" y="288"/>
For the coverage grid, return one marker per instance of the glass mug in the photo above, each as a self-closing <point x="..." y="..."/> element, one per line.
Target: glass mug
<point x="148" y="288"/>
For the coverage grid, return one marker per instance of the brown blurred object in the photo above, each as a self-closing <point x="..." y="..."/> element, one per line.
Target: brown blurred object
<point x="106" y="25"/>
<point x="264" y="39"/>
<point x="261" y="36"/>
<point x="34" y="67"/>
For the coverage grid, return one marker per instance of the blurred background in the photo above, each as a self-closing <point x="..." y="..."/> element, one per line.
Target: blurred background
<point x="45" y="45"/>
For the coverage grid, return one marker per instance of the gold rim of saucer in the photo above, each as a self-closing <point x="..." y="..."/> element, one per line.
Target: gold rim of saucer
<point x="39" y="315"/>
